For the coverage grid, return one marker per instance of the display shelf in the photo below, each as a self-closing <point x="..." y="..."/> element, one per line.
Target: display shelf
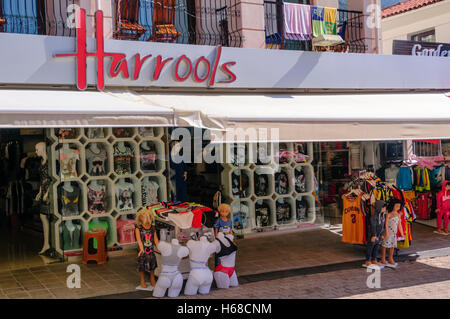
<point x="281" y="186"/>
<point x="145" y="152"/>
<point x="110" y="179"/>
<point x="242" y="215"/>
<point x="261" y="218"/>
<point x="264" y="175"/>
<point x="290" y="167"/>
<point x="283" y="218"/>
<point x="310" y="210"/>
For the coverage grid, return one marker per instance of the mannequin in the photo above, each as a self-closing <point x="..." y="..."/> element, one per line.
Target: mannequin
<point x="145" y="146"/>
<point x="149" y="192"/>
<point x="124" y="195"/>
<point x="94" y="148"/>
<point x="225" y="274"/>
<point x="68" y="187"/>
<point x="124" y="218"/>
<point x="72" y="239"/>
<point x="42" y="196"/>
<point x="200" y="277"/>
<point x="170" y="277"/>
<point x="178" y="176"/>
<point x="126" y="229"/>
<point x="70" y="198"/>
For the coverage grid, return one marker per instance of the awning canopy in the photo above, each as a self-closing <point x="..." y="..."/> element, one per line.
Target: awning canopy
<point x="315" y="117"/>
<point x="63" y="108"/>
<point x="296" y="117"/>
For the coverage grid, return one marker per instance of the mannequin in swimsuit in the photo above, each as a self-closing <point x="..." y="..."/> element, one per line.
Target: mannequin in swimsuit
<point x="224" y="274"/>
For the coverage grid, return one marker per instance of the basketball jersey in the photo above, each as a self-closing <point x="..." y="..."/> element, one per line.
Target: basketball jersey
<point x="353" y="229"/>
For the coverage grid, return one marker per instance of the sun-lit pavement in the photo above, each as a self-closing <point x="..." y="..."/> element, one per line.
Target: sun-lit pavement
<point x="425" y="278"/>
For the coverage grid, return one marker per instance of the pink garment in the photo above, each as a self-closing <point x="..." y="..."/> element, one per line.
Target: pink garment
<point x="443" y="204"/>
<point x="126" y="230"/>
<point x="297" y="21"/>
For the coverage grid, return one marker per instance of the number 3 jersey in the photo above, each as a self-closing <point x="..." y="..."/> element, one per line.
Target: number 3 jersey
<point x="353" y="226"/>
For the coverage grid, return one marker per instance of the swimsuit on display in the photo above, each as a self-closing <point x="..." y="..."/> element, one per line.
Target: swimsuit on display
<point x="226" y="251"/>
<point x="227" y="270"/>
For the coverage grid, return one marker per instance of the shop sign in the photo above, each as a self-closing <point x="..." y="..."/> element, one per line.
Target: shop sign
<point x="119" y="63"/>
<point x="421" y="48"/>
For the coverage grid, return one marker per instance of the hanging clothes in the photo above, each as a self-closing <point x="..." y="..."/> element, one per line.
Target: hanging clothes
<point x="405" y="178"/>
<point x="353" y="222"/>
<point x="297" y="21"/>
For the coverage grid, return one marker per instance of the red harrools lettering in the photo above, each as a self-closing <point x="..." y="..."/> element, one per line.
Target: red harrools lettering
<point x="159" y="65"/>
<point x="189" y="63"/>
<point x="138" y="64"/>
<point x="227" y="71"/>
<point x="208" y="65"/>
<point x="119" y="60"/>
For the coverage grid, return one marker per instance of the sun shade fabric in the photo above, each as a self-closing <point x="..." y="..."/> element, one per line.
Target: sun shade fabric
<point x="63" y="108"/>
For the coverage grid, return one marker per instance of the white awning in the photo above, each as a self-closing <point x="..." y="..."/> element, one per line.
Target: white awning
<point x="63" y="108"/>
<point x="316" y="117"/>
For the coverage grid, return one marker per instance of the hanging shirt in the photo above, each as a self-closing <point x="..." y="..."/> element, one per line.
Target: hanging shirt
<point x="68" y="162"/>
<point x="122" y="160"/>
<point x="149" y="193"/>
<point x="69" y="201"/>
<point x="353" y="228"/>
<point x="405" y="178"/>
<point x="124" y="193"/>
<point x="96" y="162"/>
<point x="96" y="199"/>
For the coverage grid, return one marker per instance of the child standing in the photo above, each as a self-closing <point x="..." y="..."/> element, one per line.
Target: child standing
<point x="147" y="242"/>
<point x="390" y="238"/>
<point x="443" y="207"/>
<point x="224" y="223"/>
<point x="377" y="225"/>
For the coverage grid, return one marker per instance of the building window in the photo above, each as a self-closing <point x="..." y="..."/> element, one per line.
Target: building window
<point x="427" y="36"/>
<point x="22" y="16"/>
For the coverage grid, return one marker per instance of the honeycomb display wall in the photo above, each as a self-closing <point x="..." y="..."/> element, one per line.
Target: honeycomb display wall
<point x="114" y="179"/>
<point x="246" y="200"/>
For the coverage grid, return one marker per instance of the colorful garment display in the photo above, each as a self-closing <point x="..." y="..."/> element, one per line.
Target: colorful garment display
<point x="122" y="159"/>
<point x="96" y="199"/>
<point x="68" y="158"/>
<point x="353" y="225"/>
<point x="317" y="19"/>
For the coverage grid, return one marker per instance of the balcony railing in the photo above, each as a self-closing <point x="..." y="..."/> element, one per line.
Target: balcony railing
<point x="203" y="22"/>
<point x="47" y="17"/>
<point x="349" y="27"/>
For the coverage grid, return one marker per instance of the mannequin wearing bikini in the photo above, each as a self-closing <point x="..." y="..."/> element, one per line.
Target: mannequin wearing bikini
<point x="225" y="274"/>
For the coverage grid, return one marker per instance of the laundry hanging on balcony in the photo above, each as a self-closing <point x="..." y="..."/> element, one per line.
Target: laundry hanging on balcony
<point x="323" y="20"/>
<point x="324" y="25"/>
<point x="297" y="21"/>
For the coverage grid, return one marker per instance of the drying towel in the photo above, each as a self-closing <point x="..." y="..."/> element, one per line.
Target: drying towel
<point x="330" y="20"/>
<point x="182" y="220"/>
<point x="317" y="17"/>
<point x="297" y="21"/>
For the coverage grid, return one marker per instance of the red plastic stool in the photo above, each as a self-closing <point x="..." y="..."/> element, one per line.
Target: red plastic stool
<point x="101" y="255"/>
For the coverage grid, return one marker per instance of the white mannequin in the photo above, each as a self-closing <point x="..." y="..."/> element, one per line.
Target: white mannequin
<point x="121" y="146"/>
<point x="66" y="146"/>
<point x="170" y="277"/>
<point x="95" y="185"/>
<point x="145" y="146"/>
<point x="42" y="152"/>
<point x="70" y="226"/>
<point x="200" y="277"/>
<point x="124" y="217"/>
<point x="68" y="187"/>
<point x="96" y="220"/>
<point x="222" y="279"/>
<point x="94" y="148"/>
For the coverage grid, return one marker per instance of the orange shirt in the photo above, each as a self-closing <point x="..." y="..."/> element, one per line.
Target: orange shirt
<point x="353" y="227"/>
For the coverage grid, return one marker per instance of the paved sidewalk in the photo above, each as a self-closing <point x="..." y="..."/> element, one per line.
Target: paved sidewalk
<point x="278" y="257"/>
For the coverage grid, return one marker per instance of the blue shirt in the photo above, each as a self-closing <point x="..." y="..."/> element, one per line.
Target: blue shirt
<point x="224" y="226"/>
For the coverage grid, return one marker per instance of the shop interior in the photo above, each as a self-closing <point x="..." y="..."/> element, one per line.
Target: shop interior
<point x="58" y="183"/>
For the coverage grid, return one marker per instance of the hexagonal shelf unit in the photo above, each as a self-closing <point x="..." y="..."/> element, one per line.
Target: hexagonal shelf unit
<point x="238" y="183"/>
<point x="264" y="210"/>
<point x="99" y="182"/>
<point x="263" y="182"/>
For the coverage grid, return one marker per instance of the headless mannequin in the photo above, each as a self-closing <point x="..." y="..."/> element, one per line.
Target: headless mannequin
<point x="42" y="196"/>
<point x="145" y="146"/>
<point x="94" y="148"/>
<point x="124" y="218"/>
<point x="95" y="186"/>
<point x="122" y="184"/>
<point x="68" y="187"/>
<point x="223" y="280"/>
<point x="170" y="277"/>
<point x="121" y="146"/>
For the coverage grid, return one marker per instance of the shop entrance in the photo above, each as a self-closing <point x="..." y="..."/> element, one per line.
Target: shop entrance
<point x="21" y="230"/>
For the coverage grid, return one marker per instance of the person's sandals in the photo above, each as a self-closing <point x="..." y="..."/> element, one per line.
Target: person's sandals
<point x="440" y="232"/>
